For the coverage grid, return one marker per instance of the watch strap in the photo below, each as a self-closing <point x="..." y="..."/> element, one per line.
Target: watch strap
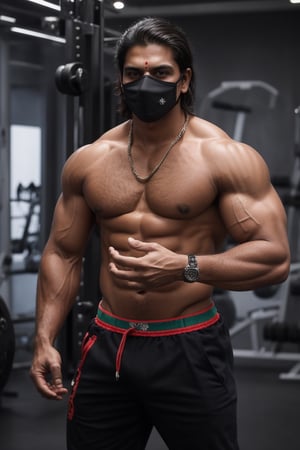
<point x="191" y="271"/>
<point x="192" y="261"/>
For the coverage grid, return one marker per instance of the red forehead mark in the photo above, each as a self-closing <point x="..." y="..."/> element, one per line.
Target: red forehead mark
<point x="146" y="64"/>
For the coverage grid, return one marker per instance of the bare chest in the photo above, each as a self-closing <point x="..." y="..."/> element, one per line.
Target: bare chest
<point x="175" y="192"/>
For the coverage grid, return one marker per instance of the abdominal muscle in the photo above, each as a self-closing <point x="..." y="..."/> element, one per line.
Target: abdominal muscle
<point x="150" y="217"/>
<point x="176" y="300"/>
<point x="173" y="300"/>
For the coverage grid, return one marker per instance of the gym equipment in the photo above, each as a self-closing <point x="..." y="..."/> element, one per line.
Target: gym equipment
<point x="10" y="339"/>
<point x="282" y="332"/>
<point x="7" y="344"/>
<point x="81" y="79"/>
<point x="272" y="325"/>
<point x="29" y="241"/>
<point x="4" y="164"/>
<point x="241" y="98"/>
<point x="71" y="79"/>
<point x="268" y="325"/>
<point x="6" y="327"/>
<point x="225" y="306"/>
<point x="266" y="291"/>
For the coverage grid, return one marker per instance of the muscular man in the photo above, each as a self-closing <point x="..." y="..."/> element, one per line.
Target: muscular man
<point x="165" y="188"/>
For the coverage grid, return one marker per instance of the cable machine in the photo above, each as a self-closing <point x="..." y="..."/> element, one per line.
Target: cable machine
<point x="81" y="79"/>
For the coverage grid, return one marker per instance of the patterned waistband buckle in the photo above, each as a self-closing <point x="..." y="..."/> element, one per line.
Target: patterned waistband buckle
<point x="141" y="326"/>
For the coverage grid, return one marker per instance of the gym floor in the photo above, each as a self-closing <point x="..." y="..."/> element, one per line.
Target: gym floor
<point x="268" y="412"/>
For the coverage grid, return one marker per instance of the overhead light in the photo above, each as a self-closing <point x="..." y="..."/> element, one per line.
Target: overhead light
<point x="7" y="19"/>
<point x="45" y="4"/>
<point x="294" y="1"/>
<point x="118" y="5"/>
<point x="51" y="24"/>
<point x="37" y="34"/>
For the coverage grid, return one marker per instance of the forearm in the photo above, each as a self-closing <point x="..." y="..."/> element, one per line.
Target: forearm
<point x="58" y="285"/>
<point x="245" y="266"/>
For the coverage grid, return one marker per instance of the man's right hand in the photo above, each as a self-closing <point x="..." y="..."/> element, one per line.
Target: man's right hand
<point x="46" y="373"/>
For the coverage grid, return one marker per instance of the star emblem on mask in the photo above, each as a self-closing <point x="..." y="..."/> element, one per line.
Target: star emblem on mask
<point x="162" y="101"/>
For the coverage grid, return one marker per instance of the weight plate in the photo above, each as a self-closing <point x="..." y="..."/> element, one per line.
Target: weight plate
<point x="7" y="344"/>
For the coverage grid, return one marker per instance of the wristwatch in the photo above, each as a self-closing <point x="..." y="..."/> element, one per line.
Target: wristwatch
<point x="191" y="271"/>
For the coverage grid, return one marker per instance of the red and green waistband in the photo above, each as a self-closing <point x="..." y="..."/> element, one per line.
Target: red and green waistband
<point x="182" y="324"/>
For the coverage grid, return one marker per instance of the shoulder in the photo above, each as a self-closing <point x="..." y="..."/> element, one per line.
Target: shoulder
<point x="87" y="156"/>
<point x="232" y="164"/>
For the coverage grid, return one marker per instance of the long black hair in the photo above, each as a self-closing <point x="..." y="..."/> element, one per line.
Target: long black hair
<point x="152" y="30"/>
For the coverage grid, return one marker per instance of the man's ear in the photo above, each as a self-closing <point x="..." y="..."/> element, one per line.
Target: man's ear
<point x="186" y="79"/>
<point x="120" y="83"/>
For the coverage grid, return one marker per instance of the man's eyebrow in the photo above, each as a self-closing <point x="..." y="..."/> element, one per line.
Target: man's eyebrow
<point x="131" y="68"/>
<point x="164" y="66"/>
<point x="160" y="66"/>
<point x="128" y="69"/>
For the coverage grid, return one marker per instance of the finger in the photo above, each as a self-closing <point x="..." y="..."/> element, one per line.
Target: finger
<point x="43" y="386"/>
<point x="57" y="381"/>
<point x="52" y="389"/>
<point x="56" y="377"/>
<point x="140" y="245"/>
<point x="129" y="275"/>
<point x="124" y="261"/>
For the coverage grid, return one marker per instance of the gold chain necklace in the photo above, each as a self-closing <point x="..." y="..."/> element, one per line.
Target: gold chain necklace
<point x="138" y="177"/>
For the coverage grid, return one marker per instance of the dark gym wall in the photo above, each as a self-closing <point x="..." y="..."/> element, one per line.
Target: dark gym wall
<point x="257" y="46"/>
<point x="254" y="47"/>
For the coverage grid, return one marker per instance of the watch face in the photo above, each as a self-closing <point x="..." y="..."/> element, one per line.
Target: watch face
<point x="191" y="274"/>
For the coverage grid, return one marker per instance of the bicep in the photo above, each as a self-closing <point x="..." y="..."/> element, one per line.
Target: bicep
<point x="249" y="205"/>
<point x="254" y="217"/>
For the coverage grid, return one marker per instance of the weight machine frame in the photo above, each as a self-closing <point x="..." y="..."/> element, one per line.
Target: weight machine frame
<point x="259" y="315"/>
<point x="217" y="98"/>
<point x="84" y="34"/>
<point x="4" y="167"/>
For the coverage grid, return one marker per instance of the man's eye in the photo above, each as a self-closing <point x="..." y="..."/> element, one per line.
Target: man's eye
<point x="161" y="73"/>
<point x="133" y="74"/>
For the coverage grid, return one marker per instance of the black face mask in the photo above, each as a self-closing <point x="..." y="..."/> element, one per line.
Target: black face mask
<point x="150" y="99"/>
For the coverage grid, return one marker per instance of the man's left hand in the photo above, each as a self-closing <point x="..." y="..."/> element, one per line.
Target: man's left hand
<point x="157" y="266"/>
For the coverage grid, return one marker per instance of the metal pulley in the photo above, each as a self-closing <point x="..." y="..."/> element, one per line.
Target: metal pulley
<point x="71" y="79"/>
